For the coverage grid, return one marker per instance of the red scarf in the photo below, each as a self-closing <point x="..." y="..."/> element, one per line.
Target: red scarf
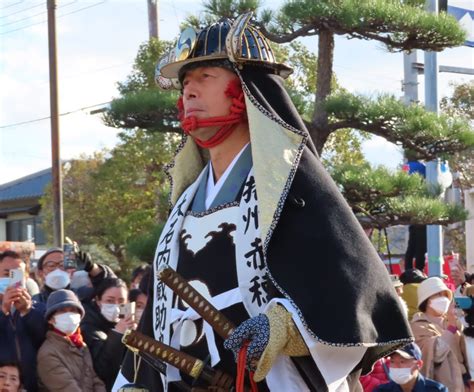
<point x="227" y="123"/>
<point x="75" y="338"/>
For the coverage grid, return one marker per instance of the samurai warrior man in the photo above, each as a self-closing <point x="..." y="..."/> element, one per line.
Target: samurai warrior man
<point x="261" y="230"/>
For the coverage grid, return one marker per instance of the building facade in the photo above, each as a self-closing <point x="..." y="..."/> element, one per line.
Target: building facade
<point x="20" y="209"/>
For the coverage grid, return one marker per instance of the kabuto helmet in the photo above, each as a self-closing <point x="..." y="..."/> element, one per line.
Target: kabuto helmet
<point x="233" y="42"/>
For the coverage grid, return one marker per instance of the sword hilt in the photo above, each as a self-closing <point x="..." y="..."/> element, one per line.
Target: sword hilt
<point x="138" y="342"/>
<point x="221" y="324"/>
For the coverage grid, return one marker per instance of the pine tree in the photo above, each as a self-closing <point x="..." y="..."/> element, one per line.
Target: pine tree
<point x="399" y="26"/>
<point x="336" y="119"/>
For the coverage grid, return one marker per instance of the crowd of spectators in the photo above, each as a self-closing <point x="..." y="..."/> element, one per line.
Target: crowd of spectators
<point x="63" y="332"/>
<point x="442" y="321"/>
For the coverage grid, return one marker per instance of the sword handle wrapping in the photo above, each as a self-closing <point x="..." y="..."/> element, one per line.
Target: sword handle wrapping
<point x="180" y="286"/>
<point x="138" y="342"/>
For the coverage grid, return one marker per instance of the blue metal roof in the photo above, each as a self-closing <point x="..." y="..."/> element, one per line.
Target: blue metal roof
<point x="27" y="187"/>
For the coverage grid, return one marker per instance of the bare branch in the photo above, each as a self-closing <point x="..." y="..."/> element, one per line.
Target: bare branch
<point x="305" y="31"/>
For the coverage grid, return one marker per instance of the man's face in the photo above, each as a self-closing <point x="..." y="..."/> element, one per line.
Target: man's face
<point x="203" y="96"/>
<point x="9" y="379"/>
<point x="9" y="263"/>
<point x="53" y="261"/>
<point x="397" y="361"/>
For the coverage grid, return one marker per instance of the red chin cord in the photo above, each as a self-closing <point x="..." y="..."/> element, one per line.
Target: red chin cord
<point x="227" y="123"/>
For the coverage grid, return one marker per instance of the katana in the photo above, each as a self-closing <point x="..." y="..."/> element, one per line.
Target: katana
<point x="194" y="367"/>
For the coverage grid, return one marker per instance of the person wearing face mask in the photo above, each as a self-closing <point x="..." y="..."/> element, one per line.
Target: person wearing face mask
<point x="103" y="328"/>
<point x="22" y="330"/>
<point x="64" y="360"/>
<point x="51" y="270"/>
<point x="437" y="332"/>
<point x="379" y="373"/>
<point x="404" y="372"/>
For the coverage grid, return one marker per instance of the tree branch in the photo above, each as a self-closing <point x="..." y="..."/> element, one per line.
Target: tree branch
<point x="305" y="31"/>
<point x="380" y="128"/>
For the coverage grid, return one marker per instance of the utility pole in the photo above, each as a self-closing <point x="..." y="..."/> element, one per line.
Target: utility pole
<point x="410" y="78"/>
<point x="433" y="169"/>
<point x="58" y="231"/>
<point x="152" y="18"/>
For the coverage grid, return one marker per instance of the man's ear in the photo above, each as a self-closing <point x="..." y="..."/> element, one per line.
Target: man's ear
<point x="419" y="364"/>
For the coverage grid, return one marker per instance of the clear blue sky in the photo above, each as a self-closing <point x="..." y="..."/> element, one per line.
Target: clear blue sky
<point x="97" y="43"/>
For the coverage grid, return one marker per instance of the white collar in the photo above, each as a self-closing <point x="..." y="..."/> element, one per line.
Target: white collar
<point x="212" y="189"/>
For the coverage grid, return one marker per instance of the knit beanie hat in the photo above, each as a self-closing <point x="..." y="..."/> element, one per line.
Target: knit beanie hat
<point x="432" y="286"/>
<point x="60" y="299"/>
<point x="48" y="252"/>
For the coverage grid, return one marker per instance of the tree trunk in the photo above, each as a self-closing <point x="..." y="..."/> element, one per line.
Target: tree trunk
<point x="319" y="124"/>
<point x="118" y="252"/>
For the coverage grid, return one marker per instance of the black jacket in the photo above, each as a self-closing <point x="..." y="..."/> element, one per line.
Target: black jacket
<point x="105" y="344"/>
<point x="20" y="340"/>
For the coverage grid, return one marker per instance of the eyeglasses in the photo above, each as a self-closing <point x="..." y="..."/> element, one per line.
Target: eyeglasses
<point x="52" y="265"/>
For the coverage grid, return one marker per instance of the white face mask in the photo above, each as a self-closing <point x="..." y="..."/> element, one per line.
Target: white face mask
<point x="67" y="322"/>
<point x="401" y="375"/>
<point x="4" y="283"/>
<point x="110" y="312"/>
<point x="440" y="304"/>
<point x="138" y="315"/>
<point x="57" y="279"/>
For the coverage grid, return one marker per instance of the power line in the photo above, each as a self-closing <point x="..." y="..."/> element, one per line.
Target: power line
<point x="24" y="27"/>
<point x="11" y="5"/>
<point x="82" y="9"/>
<point x="60" y="16"/>
<point x="46" y="118"/>
<point x="21" y="20"/>
<point x="34" y="16"/>
<point x="23" y="10"/>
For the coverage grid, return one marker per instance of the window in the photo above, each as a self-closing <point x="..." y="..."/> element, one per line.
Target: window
<point x="26" y="230"/>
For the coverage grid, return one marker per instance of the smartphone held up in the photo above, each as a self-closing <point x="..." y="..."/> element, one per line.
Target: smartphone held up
<point x="17" y="278"/>
<point x="127" y="310"/>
